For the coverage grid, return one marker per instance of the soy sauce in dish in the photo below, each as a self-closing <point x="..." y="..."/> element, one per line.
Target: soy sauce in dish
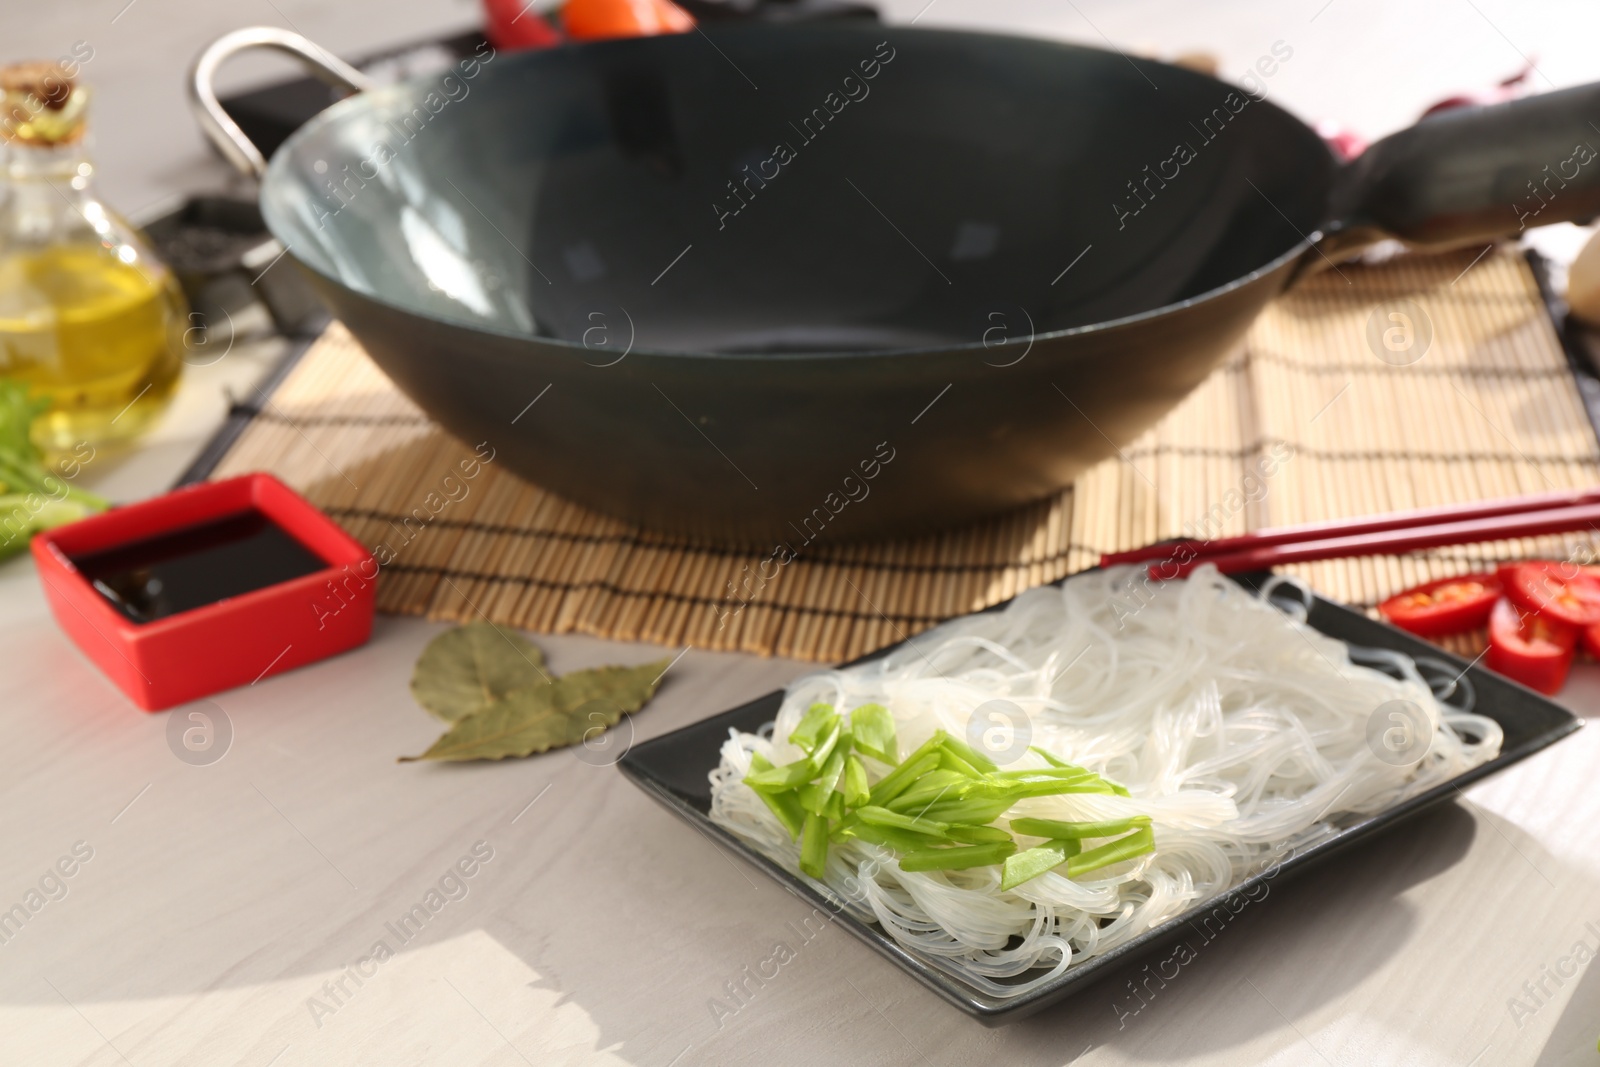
<point x="196" y="565"/>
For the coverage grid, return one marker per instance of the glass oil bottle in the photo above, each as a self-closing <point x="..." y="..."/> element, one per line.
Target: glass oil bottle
<point x="89" y="318"/>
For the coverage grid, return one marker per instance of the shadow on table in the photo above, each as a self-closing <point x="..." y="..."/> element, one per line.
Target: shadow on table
<point x="1204" y="1005"/>
<point x="1577" y="1031"/>
<point x="1234" y="974"/>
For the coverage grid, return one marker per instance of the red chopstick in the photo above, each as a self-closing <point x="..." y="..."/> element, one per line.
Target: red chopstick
<point x="1532" y="523"/>
<point x="1346" y="528"/>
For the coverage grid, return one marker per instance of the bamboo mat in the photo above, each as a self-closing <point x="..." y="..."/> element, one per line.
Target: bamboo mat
<point x="1306" y="423"/>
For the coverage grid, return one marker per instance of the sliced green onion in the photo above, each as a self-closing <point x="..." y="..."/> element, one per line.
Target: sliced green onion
<point x="818" y="720"/>
<point x="932" y="744"/>
<point x="1041" y="773"/>
<point x="1056" y="829"/>
<point x="930" y="787"/>
<point x="1059" y="764"/>
<point x="970" y="754"/>
<point x="978" y="835"/>
<point x="979" y="811"/>
<point x="854" y="787"/>
<point x="956" y="859"/>
<point x="884" y="817"/>
<point x="834" y="808"/>
<point x="835" y="737"/>
<point x="888" y="836"/>
<point x="1030" y="864"/>
<point x="814" y="846"/>
<point x="949" y="761"/>
<point x="785" y="804"/>
<point x="1042" y="754"/>
<point x="815" y="796"/>
<point x="1137" y="843"/>
<point x="873" y="727"/>
<point x="1056" y="787"/>
<point x="898" y="780"/>
<point x="787" y="776"/>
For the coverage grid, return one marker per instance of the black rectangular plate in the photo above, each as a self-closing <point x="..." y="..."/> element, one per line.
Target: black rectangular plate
<point x="673" y="769"/>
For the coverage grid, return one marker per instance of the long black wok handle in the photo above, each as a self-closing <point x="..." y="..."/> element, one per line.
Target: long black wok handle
<point x="218" y="124"/>
<point x="1472" y="175"/>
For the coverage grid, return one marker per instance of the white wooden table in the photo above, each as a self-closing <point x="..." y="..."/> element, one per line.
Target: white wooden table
<point x="231" y="913"/>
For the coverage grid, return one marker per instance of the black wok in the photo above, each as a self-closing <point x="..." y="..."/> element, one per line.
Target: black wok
<point x="778" y="283"/>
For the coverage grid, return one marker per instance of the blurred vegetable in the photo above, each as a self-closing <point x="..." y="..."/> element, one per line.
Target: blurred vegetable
<point x="1509" y="89"/>
<point x="1529" y="649"/>
<point x="515" y="25"/>
<point x="1444" y="606"/>
<point x="1346" y="143"/>
<point x="594" y="20"/>
<point x="1557" y="592"/>
<point x="32" y="496"/>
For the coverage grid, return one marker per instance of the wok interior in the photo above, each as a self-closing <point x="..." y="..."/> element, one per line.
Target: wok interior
<point x="827" y="188"/>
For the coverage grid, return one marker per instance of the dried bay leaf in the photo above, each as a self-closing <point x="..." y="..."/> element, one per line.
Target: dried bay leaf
<point x="530" y="720"/>
<point x="465" y="670"/>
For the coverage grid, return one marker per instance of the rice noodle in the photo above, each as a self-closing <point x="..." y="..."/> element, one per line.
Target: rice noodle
<point x="1241" y="732"/>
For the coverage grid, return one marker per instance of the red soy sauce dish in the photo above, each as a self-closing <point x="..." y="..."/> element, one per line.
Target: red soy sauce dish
<point x="206" y="588"/>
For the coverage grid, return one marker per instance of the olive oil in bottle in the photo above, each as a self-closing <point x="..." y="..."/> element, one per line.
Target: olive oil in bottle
<point x="89" y="318"/>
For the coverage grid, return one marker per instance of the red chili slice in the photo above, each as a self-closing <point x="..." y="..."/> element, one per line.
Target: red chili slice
<point x="1591" y="641"/>
<point x="1445" y="606"/>
<point x="1559" y="592"/>
<point x="1529" y="648"/>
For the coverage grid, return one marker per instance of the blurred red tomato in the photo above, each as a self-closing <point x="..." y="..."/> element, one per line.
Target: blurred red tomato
<point x="516" y="25"/>
<point x="595" y="20"/>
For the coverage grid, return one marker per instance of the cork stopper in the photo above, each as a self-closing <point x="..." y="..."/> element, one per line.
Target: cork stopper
<point x="41" y="104"/>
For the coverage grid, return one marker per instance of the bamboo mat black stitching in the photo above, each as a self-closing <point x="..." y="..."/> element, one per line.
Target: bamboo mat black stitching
<point x="1376" y="367"/>
<point x="642" y="540"/>
<point x="343" y="420"/>
<point x="1373" y="455"/>
<point x="1487" y="556"/>
<point x="603" y="585"/>
<point x="1446" y="295"/>
<point x="1196" y="451"/>
<point x="776" y="606"/>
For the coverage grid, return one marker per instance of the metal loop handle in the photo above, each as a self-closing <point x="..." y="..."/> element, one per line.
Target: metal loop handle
<point x="218" y="125"/>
